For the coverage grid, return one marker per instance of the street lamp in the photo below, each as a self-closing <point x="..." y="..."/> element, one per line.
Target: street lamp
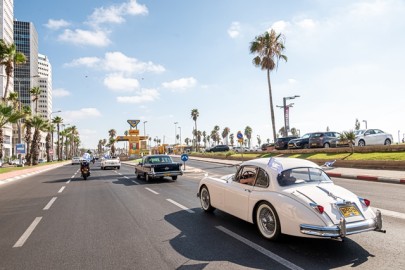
<point x="287" y="113"/>
<point x="175" y="132"/>
<point x="144" y="130"/>
<point x="365" y="121"/>
<point x="180" y="135"/>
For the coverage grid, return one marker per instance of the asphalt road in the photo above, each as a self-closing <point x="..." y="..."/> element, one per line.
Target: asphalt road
<point x="56" y="220"/>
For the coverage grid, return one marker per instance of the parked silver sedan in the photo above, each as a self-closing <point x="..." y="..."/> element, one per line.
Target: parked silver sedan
<point x="372" y="137"/>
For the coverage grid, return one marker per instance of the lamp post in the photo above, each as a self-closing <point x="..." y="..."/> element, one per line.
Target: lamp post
<point x="175" y="132"/>
<point x="365" y="121"/>
<point x="144" y="130"/>
<point x="287" y="113"/>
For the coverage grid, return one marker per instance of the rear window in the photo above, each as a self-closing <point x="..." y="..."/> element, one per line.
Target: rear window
<point x="299" y="176"/>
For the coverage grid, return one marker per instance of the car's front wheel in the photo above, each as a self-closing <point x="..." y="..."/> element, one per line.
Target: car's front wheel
<point x="267" y="221"/>
<point x="362" y="143"/>
<point x="387" y="142"/>
<point x="326" y="145"/>
<point x="205" y="199"/>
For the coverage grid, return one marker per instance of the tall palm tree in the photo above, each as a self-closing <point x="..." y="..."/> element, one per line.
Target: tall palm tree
<point x="9" y="56"/>
<point x="225" y="134"/>
<point x="73" y="147"/>
<point x="13" y="98"/>
<point x="112" y="133"/>
<point x="204" y="134"/>
<point x="7" y="115"/>
<point x="231" y="138"/>
<point x="39" y="124"/>
<point x="58" y="121"/>
<point x="28" y="132"/>
<point x="35" y="93"/>
<point x="63" y="134"/>
<point x="194" y="115"/>
<point x="48" y="140"/>
<point x="269" y="48"/>
<point x="248" y="134"/>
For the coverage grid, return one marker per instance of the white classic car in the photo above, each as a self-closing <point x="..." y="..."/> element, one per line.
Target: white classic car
<point x="289" y="196"/>
<point x="111" y="162"/>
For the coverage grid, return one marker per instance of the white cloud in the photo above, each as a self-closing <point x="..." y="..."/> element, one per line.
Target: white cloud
<point x="60" y="92"/>
<point x="84" y="61"/>
<point x="145" y="95"/>
<point x="280" y="26"/>
<point x="96" y="38"/>
<point x="234" y="30"/>
<point x="56" y="24"/>
<point x="85" y="113"/>
<point x="180" y="84"/>
<point x="115" y="13"/>
<point x="119" y="83"/>
<point x="307" y="24"/>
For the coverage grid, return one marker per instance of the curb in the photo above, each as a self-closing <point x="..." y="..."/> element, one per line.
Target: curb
<point x="368" y="178"/>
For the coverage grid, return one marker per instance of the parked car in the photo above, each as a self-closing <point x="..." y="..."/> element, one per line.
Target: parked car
<point x="301" y="142"/>
<point x="282" y="143"/>
<point x="289" y="196"/>
<point x="218" y="148"/>
<point x="324" y="139"/>
<point x="372" y="137"/>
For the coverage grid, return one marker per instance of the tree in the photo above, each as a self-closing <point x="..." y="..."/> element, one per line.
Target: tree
<point x="112" y="133"/>
<point x="259" y="140"/>
<point x="48" y="140"/>
<point x="58" y="121"/>
<point x="231" y="138"/>
<point x="269" y="48"/>
<point x="204" y="134"/>
<point x="294" y="132"/>
<point x="357" y="124"/>
<point x="248" y="134"/>
<point x="8" y="58"/>
<point x="28" y="132"/>
<point x="7" y="115"/>
<point x="348" y="137"/>
<point x="35" y="93"/>
<point x="215" y="134"/>
<point x="39" y="124"/>
<point x="194" y="115"/>
<point x="225" y="134"/>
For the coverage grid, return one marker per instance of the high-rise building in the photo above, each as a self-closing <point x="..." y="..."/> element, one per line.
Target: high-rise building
<point x="45" y="84"/>
<point x="6" y="33"/>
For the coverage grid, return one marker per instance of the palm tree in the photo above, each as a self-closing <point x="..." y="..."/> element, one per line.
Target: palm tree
<point x="248" y="134"/>
<point x="204" y="134"/>
<point x="8" y="58"/>
<point x="112" y="133"/>
<point x="48" y="140"/>
<point x="58" y="121"/>
<point x="13" y="98"/>
<point x="215" y="134"/>
<point x="195" y="114"/>
<point x="73" y="147"/>
<point x="39" y="124"/>
<point x="35" y="92"/>
<point x="231" y="138"/>
<point x="225" y="134"/>
<point x="269" y="48"/>
<point x="7" y="115"/>
<point x="349" y="137"/>
<point x="62" y="134"/>
<point x="28" y="133"/>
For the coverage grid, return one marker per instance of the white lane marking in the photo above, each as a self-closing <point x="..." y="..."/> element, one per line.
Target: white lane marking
<point x="50" y="203"/>
<point x="390" y="213"/>
<point x="68" y="182"/>
<point x="126" y="177"/>
<point x="133" y="181"/>
<point x="260" y="249"/>
<point x="27" y="233"/>
<point x="152" y="191"/>
<point x="61" y="189"/>
<point x="73" y="176"/>
<point x="181" y="206"/>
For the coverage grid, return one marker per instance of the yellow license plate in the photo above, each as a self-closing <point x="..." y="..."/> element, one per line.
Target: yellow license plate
<point x="166" y="174"/>
<point x="349" y="211"/>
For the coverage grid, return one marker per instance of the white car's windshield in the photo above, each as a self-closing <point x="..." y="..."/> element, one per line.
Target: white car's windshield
<point x="359" y="132"/>
<point x="298" y="176"/>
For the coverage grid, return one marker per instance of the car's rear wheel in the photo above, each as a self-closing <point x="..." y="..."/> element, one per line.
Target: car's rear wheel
<point x="267" y="221"/>
<point x="326" y="145"/>
<point x="362" y="143"/>
<point x="205" y="199"/>
<point x="387" y="142"/>
<point x="306" y="146"/>
<point x="174" y="178"/>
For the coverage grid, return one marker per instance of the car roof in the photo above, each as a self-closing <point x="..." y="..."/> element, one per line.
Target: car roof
<point x="281" y="163"/>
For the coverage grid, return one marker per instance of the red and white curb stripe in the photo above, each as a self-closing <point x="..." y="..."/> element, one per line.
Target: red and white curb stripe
<point x="368" y="178"/>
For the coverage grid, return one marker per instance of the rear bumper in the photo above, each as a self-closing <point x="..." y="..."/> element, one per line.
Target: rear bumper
<point x="344" y="229"/>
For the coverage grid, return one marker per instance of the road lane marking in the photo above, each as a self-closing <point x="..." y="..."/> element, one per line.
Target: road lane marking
<point x="152" y="191"/>
<point x="181" y="206"/>
<point x="260" y="249"/>
<point x="50" y="203"/>
<point x="27" y="233"/>
<point x="61" y="189"/>
<point x="68" y="181"/>
<point x="133" y="181"/>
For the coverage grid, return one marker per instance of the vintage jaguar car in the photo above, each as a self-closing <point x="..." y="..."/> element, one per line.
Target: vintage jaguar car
<point x="289" y="196"/>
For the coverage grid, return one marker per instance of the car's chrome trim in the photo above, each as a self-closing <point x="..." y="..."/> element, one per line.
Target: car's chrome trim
<point x="344" y="228"/>
<point x="169" y="173"/>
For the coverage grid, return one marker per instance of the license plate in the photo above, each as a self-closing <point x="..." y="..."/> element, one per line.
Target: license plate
<point x="313" y="144"/>
<point x="349" y="211"/>
<point x="167" y="174"/>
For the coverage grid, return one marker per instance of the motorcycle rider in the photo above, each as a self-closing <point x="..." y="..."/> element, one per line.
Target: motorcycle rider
<point x="85" y="164"/>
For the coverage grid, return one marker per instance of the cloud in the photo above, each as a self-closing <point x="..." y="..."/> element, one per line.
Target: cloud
<point x="96" y="38"/>
<point x="85" y="113"/>
<point x="280" y="26"/>
<point x="234" y="30"/>
<point x="119" y="83"/>
<point x="145" y="95"/>
<point x="56" y="24"/>
<point x="60" y="92"/>
<point x="115" y="13"/>
<point x="180" y="84"/>
<point x="84" y="61"/>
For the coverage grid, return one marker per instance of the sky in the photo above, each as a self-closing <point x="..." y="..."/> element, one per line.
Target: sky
<point x="156" y="61"/>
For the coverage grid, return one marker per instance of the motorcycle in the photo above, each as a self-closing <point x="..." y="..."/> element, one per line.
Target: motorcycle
<point x="85" y="170"/>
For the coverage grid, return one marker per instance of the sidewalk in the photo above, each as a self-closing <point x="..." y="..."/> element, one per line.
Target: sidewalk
<point x="388" y="176"/>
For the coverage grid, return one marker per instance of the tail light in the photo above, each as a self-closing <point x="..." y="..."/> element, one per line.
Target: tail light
<point x="365" y="202"/>
<point x="319" y="208"/>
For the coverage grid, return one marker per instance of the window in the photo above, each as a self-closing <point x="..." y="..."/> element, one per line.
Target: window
<point x="302" y="176"/>
<point x="262" y="179"/>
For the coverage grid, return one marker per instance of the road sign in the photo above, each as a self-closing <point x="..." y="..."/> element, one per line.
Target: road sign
<point x="239" y="135"/>
<point x="20" y="148"/>
<point x="133" y="123"/>
<point x="184" y="157"/>
<point x="134" y="132"/>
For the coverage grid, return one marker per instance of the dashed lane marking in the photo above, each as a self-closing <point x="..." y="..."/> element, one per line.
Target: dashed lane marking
<point x="151" y="190"/>
<point x="50" y="203"/>
<point x="181" y="206"/>
<point x="61" y="189"/>
<point x="20" y="242"/>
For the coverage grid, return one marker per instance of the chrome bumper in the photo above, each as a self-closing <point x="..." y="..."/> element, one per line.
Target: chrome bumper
<point x="344" y="229"/>
<point x="170" y="173"/>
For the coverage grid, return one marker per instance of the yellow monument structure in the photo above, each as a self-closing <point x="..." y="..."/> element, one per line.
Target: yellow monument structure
<point x="138" y="145"/>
